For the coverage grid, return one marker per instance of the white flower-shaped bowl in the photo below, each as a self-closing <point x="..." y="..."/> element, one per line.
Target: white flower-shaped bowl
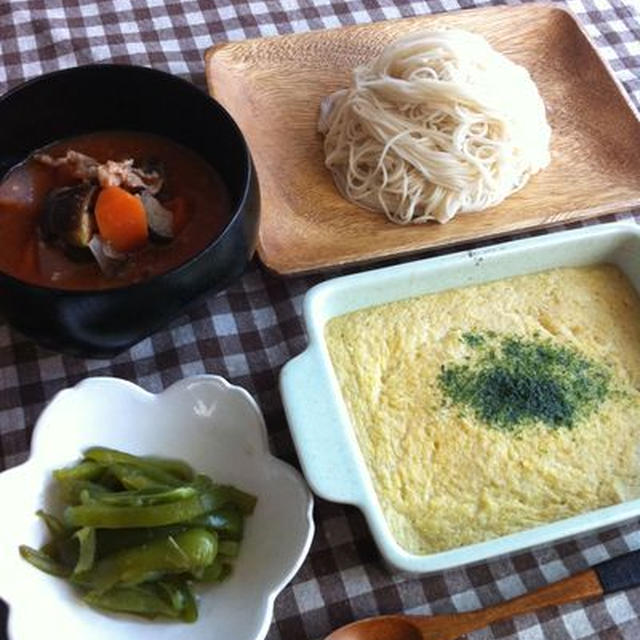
<point x="204" y="420"/>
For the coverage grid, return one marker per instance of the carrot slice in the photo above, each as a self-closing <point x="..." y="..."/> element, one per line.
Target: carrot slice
<point x="121" y="219"/>
<point x="178" y="206"/>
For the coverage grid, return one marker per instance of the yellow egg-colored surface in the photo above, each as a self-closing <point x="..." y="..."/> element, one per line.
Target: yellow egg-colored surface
<point x="446" y="478"/>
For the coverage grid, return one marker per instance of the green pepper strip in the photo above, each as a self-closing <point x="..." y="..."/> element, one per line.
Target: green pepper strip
<point x="43" y="562"/>
<point x="131" y="474"/>
<point x="51" y="549"/>
<point x="67" y="551"/>
<point x="111" y="540"/>
<point x="182" y="553"/>
<point x="172" y="592"/>
<point x="55" y="527"/>
<point x="229" y="548"/>
<point x="190" y="609"/>
<point x="113" y="517"/>
<point x="133" y="566"/>
<point x="243" y="500"/>
<point x="178" y="593"/>
<point x="87" y="553"/>
<point x="226" y="494"/>
<point x="71" y="490"/>
<point x="200" y="545"/>
<point x="212" y="573"/>
<point x="170" y="470"/>
<point x="177" y="468"/>
<point x="85" y="470"/>
<point x="143" y="498"/>
<point x="142" y="600"/>
<point x="135" y="478"/>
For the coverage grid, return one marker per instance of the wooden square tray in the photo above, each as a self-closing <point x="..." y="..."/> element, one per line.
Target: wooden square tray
<point x="273" y="88"/>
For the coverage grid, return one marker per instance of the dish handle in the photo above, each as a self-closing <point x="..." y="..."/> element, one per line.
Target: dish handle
<point x="324" y="445"/>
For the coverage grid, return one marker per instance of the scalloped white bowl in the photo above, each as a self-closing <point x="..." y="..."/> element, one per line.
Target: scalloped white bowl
<point x="217" y="428"/>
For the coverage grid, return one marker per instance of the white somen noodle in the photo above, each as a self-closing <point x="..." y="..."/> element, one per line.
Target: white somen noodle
<point x="440" y="123"/>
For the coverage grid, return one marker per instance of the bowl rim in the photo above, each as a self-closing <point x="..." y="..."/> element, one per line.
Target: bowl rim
<point x="249" y="172"/>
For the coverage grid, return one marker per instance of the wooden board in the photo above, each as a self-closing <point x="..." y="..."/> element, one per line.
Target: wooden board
<point x="273" y="88"/>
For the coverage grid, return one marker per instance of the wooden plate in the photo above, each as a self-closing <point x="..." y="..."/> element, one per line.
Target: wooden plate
<point x="273" y="88"/>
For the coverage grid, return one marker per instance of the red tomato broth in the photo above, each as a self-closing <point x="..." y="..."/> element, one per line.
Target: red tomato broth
<point x="26" y="256"/>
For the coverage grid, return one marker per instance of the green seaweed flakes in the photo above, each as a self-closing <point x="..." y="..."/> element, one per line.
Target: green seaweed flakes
<point x="473" y="338"/>
<point x="511" y="381"/>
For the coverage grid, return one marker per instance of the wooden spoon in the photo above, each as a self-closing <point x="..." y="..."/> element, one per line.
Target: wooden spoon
<point x="619" y="573"/>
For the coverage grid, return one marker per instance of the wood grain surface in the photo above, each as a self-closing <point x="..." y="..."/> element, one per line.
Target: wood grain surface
<point x="273" y="88"/>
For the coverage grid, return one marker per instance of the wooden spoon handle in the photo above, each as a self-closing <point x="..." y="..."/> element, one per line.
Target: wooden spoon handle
<point x="618" y="573"/>
<point x="582" y="585"/>
<point x="577" y="587"/>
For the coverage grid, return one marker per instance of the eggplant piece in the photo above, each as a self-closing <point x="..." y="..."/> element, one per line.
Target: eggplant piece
<point x="159" y="218"/>
<point x="67" y="215"/>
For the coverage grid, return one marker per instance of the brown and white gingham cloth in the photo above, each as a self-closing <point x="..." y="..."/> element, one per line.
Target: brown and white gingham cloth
<point x="250" y="330"/>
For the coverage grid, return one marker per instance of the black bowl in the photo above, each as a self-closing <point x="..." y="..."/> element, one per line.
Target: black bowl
<point x="62" y="104"/>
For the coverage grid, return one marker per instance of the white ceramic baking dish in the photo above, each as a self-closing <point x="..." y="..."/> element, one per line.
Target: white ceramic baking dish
<point x="318" y="417"/>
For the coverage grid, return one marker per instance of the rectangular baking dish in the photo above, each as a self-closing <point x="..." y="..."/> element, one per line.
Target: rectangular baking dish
<point x="318" y="418"/>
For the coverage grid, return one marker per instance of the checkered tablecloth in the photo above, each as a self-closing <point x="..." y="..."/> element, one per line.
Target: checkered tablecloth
<point x="250" y="330"/>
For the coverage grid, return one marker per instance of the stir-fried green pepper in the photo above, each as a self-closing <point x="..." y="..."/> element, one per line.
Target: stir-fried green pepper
<point x="86" y="470"/>
<point x="145" y="497"/>
<point x="170" y="470"/>
<point x="44" y="562"/>
<point x="227" y="522"/>
<point x="132" y="477"/>
<point x="213" y="572"/>
<point x="111" y="540"/>
<point x="144" y="600"/>
<point x="87" y="549"/>
<point x="137" y="531"/>
<point x="56" y="527"/>
<point x="72" y="490"/>
<point x="229" y="548"/>
<point x="181" y="597"/>
<point x="96" y="514"/>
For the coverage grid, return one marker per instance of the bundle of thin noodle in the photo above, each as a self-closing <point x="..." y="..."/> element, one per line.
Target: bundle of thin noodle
<point x="440" y="123"/>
